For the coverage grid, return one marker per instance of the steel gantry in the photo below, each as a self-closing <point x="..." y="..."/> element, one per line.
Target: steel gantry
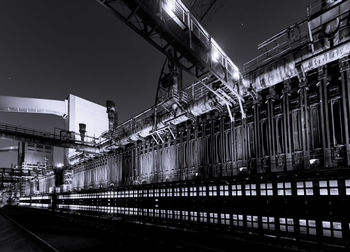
<point x="172" y="29"/>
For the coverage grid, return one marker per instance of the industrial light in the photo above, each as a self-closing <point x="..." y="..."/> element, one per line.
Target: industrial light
<point x="59" y="165"/>
<point x="169" y="7"/>
<point x="314" y="161"/>
<point x="215" y="55"/>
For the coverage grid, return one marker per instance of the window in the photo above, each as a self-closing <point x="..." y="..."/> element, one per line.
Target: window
<point x="156" y="213"/>
<point x="193" y="216"/>
<point x="250" y="190"/>
<point x="177" y="215"/>
<point x="347" y="186"/>
<point x="169" y="192"/>
<point x="203" y="217"/>
<point x="156" y="193"/>
<point x="212" y="191"/>
<point x="193" y="191"/>
<point x="284" y="189"/>
<point x="237" y="220"/>
<point x="163" y="213"/>
<point x="329" y="187"/>
<point x="176" y="192"/>
<point x="170" y="214"/>
<point x="144" y="193"/>
<point x="236" y="190"/>
<point x="332" y="229"/>
<point x="150" y="193"/>
<point x="252" y="221"/>
<point x="305" y="188"/>
<point x="184" y="191"/>
<point x="307" y="226"/>
<point x="266" y="189"/>
<point x="225" y="219"/>
<point x="268" y="223"/>
<point x="224" y="190"/>
<point x="286" y="225"/>
<point x="162" y="192"/>
<point x="185" y="215"/>
<point x="202" y="191"/>
<point x="150" y="212"/>
<point x="213" y="218"/>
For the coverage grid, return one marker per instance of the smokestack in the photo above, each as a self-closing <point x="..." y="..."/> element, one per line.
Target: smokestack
<point x="82" y="131"/>
<point x="112" y="115"/>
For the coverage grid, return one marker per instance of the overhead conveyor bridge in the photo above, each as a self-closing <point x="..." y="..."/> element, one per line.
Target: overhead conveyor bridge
<point x="171" y="28"/>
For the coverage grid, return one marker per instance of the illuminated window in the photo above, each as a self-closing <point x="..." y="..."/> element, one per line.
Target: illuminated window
<point x="266" y="189"/>
<point x="237" y="220"/>
<point x="150" y="213"/>
<point x="170" y="214"/>
<point x="169" y="192"/>
<point x="193" y="191"/>
<point x="284" y="189"/>
<point x="329" y="187"/>
<point x="268" y="223"/>
<point x="156" y="213"/>
<point x="236" y="190"/>
<point x="286" y="224"/>
<point x="177" y="215"/>
<point x="224" y="190"/>
<point x="203" y="217"/>
<point x="225" y="219"/>
<point x="307" y="226"/>
<point x="202" y="191"/>
<point x="185" y="215"/>
<point x="212" y="191"/>
<point x="176" y="192"/>
<point x="193" y="216"/>
<point x="332" y="229"/>
<point x="144" y="193"/>
<point x="184" y="191"/>
<point x="150" y="193"/>
<point x="250" y="189"/>
<point x="305" y="188"/>
<point x="163" y="213"/>
<point x="156" y="193"/>
<point x="213" y="218"/>
<point x="347" y="186"/>
<point x="252" y="221"/>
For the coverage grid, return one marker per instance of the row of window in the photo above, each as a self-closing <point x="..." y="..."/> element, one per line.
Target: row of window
<point x="302" y="188"/>
<point x="287" y="225"/>
<point x="35" y="205"/>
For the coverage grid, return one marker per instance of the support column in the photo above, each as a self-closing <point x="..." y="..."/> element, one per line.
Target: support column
<point x="286" y="125"/>
<point x="304" y="122"/>
<point x="257" y="133"/>
<point x="322" y="78"/>
<point x="270" y="99"/>
<point x="345" y="76"/>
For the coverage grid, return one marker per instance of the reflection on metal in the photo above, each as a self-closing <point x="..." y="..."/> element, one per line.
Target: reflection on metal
<point x="33" y="105"/>
<point x="62" y="138"/>
<point x="9" y="148"/>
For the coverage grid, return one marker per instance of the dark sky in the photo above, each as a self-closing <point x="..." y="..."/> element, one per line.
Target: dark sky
<point x="50" y="48"/>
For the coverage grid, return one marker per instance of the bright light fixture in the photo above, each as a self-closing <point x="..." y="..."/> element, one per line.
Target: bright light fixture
<point x="215" y="55"/>
<point x="59" y="165"/>
<point x="169" y="7"/>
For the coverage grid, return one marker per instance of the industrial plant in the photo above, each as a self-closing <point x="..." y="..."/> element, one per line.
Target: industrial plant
<point x="259" y="154"/>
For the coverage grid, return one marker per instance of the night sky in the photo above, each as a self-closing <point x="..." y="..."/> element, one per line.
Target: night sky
<point x="50" y="48"/>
